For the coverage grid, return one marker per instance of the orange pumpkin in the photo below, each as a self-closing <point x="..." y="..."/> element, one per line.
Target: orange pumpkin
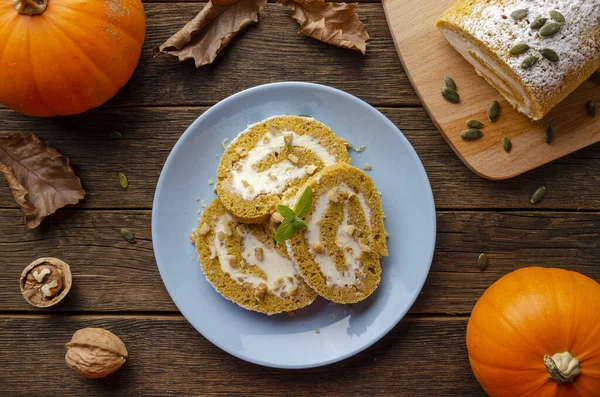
<point x="536" y="332"/>
<point x="63" y="57"/>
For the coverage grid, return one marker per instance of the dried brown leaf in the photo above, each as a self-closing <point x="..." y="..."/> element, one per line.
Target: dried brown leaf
<point x="212" y="29"/>
<point x="41" y="179"/>
<point x="331" y="22"/>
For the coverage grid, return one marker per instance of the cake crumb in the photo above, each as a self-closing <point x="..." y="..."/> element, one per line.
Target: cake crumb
<point x="317" y="330"/>
<point x="224" y="143"/>
<point x="287" y="138"/>
<point x="193" y="237"/>
<point x="197" y="198"/>
<point x="203" y="204"/>
<point x="359" y="149"/>
<point x="367" y="167"/>
<point x="318" y="247"/>
<point x="258" y="253"/>
<point x="204" y="229"/>
<point x="211" y="182"/>
<point x="216" y="155"/>
<point x="334" y="316"/>
<point x="291" y="314"/>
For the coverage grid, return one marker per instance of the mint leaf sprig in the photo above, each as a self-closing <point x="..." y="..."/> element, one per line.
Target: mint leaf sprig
<point x="293" y="217"/>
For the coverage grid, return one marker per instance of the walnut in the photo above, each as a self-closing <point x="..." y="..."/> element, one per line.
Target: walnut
<point x="95" y="352"/>
<point x="260" y="292"/>
<point x="259" y="253"/>
<point x="318" y="247"/>
<point x="288" y="137"/>
<point x="45" y="282"/>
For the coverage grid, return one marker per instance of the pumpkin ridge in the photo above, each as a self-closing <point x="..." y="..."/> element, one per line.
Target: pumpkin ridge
<point x="101" y="19"/>
<point x="34" y="80"/>
<point x="108" y="80"/>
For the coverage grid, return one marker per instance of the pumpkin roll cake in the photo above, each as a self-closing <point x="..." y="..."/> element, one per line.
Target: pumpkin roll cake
<point x="245" y="264"/>
<point x="534" y="52"/>
<point x="272" y="158"/>
<point x="339" y="253"/>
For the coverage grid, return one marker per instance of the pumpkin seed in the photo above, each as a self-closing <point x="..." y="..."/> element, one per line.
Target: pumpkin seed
<point x="529" y="62"/>
<point x="557" y="16"/>
<point x="596" y="77"/>
<point x="123" y="180"/>
<point x="519" y="49"/>
<point x="450" y="94"/>
<point x="482" y="262"/>
<point x="450" y="83"/>
<point x="128" y="235"/>
<point x="549" y="135"/>
<point x="538" y="23"/>
<point x="519" y="14"/>
<point x="592" y="108"/>
<point x="550" y="29"/>
<point x="506" y="144"/>
<point x="494" y="111"/>
<point x="475" y="124"/>
<point x="538" y="195"/>
<point x="472" y="134"/>
<point x="549" y="54"/>
<point x="114" y="134"/>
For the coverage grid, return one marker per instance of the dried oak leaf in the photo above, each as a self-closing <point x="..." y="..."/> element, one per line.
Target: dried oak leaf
<point x="41" y="179"/>
<point x="212" y="29"/>
<point x="331" y="22"/>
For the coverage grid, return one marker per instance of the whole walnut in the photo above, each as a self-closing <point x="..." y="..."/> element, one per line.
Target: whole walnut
<point x="95" y="352"/>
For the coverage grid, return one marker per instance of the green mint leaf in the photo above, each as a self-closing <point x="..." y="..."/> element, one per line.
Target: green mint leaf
<point x="286" y="212"/>
<point x="285" y="231"/>
<point x="299" y="225"/>
<point x="304" y="203"/>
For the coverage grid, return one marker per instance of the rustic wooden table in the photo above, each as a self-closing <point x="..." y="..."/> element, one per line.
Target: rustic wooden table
<point x="117" y="285"/>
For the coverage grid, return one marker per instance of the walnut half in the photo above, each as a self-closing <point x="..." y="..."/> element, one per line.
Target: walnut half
<point x="45" y="282"/>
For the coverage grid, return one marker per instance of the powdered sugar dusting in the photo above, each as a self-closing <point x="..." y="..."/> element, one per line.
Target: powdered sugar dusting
<point x="491" y="23"/>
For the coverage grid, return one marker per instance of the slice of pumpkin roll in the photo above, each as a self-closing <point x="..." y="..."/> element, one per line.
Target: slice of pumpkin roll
<point x="338" y="254"/>
<point x="271" y="158"/>
<point x="245" y="265"/>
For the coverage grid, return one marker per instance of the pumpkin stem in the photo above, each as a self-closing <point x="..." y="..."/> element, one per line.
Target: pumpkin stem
<point x="562" y="367"/>
<point x="30" y="7"/>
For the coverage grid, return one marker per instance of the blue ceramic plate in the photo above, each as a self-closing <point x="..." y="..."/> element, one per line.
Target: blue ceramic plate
<point x="323" y="333"/>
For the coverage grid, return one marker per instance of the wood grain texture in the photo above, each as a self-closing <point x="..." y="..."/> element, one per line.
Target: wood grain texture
<point x="168" y="357"/>
<point x="112" y="275"/>
<point x="150" y="133"/>
<point x="269" y="51"/>
<point x="419" y="44"/>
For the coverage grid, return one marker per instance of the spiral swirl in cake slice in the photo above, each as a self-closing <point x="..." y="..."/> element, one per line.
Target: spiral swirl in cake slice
<point x="245" y="264"/>
<point x="339" y="253"/>
<point x="272" y="158"/>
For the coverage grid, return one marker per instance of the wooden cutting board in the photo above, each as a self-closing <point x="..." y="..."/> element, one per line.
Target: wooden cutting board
<point x="427" y="58"/>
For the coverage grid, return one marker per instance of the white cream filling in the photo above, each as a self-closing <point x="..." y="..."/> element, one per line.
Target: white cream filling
<point x="276" y="267"/>
<point x="350" y="276"/>
<point x="249" y="183"/>
<point x="466" y="49"/>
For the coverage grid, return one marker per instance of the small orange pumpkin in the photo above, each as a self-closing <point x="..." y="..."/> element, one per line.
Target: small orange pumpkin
<point x="536" y="332"/>
<point x="63" y="57"/>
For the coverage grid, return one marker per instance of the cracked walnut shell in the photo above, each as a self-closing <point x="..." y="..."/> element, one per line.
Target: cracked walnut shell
<point x="45" y="282"/>
<point x="95" y="352"/>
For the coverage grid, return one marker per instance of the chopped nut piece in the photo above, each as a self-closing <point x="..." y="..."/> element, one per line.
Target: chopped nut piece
<point x="290" y="279"/>
<point x="288" y="137"/>
<point x="233" y="261"/>
<point x="227" y="230"/>
<point x="266" y="139"/>
<point x="261" y="291"/>
<point x="293" y="290"/>
<point x="224" y="143"/>
<point x="276" y="217"/>
<point x="317" y="330"/>
<point x="239" y="150"/>
<point x="345" y="142"/>
<point x="272" y="177"/>
<point x="293" y="158"/>
<point x="359" y="149"/>
<point x="318" y="248"/>
<point x="367" y="167"/>
<point x="274" y="130"/>
<point x="211" y="182"/>
<point x="204" y="229"/>
<point x="364" y="247"/>
<point x="193" y="237"/>
<point x="310" y="169"/>
<point x="221" y="236"/>
<point x="245" y="183"/>
<point x="279" y="283"/>
<point x="250" y="189"/>
<point x="351" y="194"/>
<point x="332" y="196"/>
<point x="237" y="166"/>
<point x="258" y="253"/>
<point x="213" y="252"/>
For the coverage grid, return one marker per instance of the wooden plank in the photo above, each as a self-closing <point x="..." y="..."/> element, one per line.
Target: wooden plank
<point x="167" y="356"/>
<point x="269" y="51"/>
<point x="150" y="133"/>
<point x="419" y="42"/>
<point x="111" y="275"/>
